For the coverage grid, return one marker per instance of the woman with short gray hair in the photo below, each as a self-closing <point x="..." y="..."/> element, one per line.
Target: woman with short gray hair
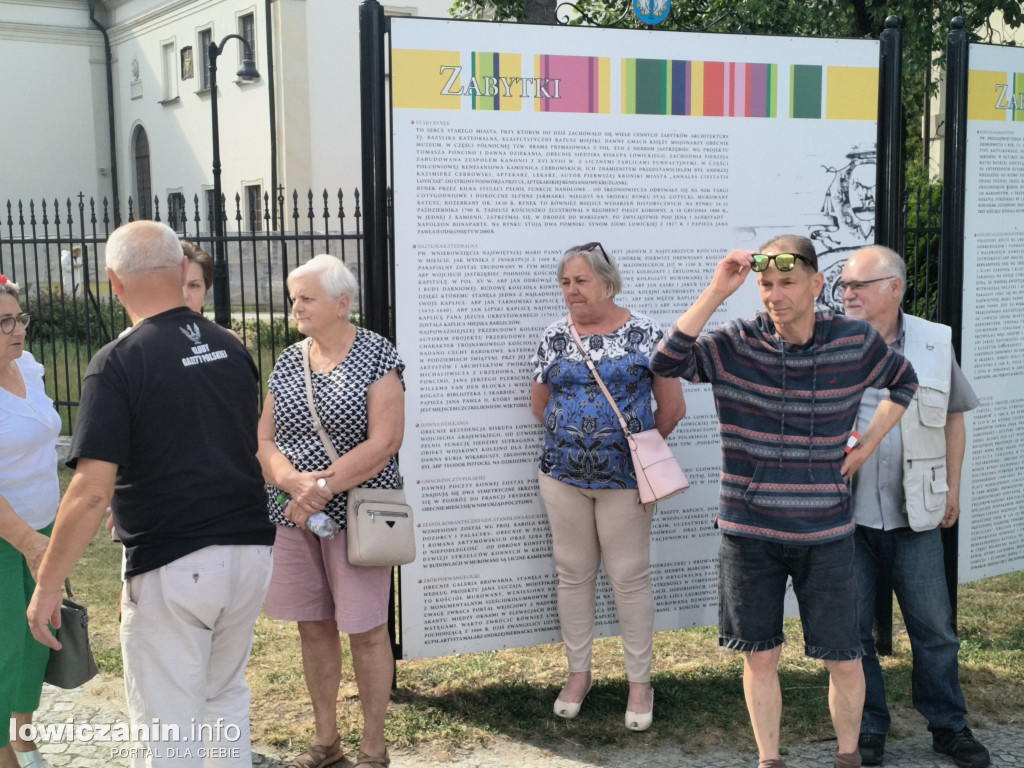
<point x="356" y="380"/>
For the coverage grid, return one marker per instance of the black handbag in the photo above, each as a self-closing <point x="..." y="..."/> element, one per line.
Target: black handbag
<point x="73" y="665"/>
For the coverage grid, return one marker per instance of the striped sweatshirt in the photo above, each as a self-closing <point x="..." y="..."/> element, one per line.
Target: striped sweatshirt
<point x="785" y="412"/>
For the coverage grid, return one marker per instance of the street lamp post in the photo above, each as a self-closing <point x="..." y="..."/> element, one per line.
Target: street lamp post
<point x="221" y="286"/>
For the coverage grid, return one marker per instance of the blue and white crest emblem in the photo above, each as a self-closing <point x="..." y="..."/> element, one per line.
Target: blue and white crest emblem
<point x="651" y="11"/>
<point x="192" y="332"/>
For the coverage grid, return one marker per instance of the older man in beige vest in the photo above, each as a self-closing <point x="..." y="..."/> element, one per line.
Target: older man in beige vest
<point x="904" y="493"/>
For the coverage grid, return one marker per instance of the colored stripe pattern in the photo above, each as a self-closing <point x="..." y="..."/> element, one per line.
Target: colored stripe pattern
<point x="805" y="91"/>
<point x="851" y="93"/>
<point x="982" y="95"/>
<point x="418" y="80"/>
<point x="583" y="84"/>
<point x="498" y="79"/>
<point x="995" y="96"/>
<point x="1018" y="94"/>
<point x="833" y="93"/>
<point x="1018" y="97"/>
<point x="699" y="88"/>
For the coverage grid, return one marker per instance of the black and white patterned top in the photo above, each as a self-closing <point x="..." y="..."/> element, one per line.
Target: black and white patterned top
<point x="340" y="397"/>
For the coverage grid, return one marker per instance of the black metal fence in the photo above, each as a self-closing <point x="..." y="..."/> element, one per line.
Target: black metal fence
<point x="75" y="311"/>
<point x="922" y="228"/>
<point x="55" y="252"/>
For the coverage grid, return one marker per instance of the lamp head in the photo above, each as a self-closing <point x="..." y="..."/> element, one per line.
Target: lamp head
<point x="247" y="71"/>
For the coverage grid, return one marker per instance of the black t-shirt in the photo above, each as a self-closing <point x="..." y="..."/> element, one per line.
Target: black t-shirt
<point x="174" y="404"/>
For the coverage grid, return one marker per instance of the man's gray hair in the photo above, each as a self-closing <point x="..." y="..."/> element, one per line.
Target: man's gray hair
<point x="894" y="264"/>
<point x="335" y="277"/>
<point x="600" y="261"/>
<point x="143" y="246"/>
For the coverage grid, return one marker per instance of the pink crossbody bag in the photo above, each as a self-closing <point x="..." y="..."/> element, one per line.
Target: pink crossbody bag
<point x="658" y="474"/>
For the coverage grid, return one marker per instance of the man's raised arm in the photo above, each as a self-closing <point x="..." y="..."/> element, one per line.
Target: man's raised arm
<point x="729" y="276"/>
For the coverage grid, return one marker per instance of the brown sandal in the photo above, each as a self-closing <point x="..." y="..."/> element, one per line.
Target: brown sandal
<point x="317" y="756"/>
<point x="382" y="761"/>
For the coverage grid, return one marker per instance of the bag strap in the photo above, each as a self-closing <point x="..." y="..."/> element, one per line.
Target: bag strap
<point x="67" y="588"/>
<point x="595" y="374"/>
<point x="317" y="424"/>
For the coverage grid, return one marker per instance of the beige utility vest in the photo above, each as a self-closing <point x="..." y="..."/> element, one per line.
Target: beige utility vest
<point x="927" y="346"/>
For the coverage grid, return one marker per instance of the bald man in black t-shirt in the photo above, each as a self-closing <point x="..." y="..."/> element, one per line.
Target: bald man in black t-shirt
<point x="166" y="434"/>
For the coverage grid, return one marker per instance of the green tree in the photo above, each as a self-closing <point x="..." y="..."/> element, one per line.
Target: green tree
<point x="925" y="24"/>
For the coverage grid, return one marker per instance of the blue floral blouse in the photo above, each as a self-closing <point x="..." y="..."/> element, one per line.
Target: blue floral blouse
<point x="584" y="445"/>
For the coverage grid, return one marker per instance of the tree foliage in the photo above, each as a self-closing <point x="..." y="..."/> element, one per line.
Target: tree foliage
<point x="924" y="24"/>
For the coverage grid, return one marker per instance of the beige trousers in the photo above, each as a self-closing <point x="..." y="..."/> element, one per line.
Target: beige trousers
<point x="186" y="637"/>
<point x="586" y="525"/>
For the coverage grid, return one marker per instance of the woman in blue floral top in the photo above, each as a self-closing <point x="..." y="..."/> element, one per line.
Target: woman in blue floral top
<point x="586" y="472"/>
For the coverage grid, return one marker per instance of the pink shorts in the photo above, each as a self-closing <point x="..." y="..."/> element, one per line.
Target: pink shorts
<point x="314" y="581"/>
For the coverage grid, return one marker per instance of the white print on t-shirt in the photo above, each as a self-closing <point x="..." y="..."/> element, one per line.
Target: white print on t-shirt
<point x="203" y="355"/>
<point x="192" y="332"/>
<point x="200" y="352"/>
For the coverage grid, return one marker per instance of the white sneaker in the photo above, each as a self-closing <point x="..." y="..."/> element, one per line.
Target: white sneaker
<point x="32" y="759"/>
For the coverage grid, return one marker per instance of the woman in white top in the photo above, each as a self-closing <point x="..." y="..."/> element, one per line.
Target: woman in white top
<point x="29" y="496"/>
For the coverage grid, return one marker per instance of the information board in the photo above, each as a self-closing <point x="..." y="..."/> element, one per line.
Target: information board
<point x="512" y="143"/>
<point x="991" y="534"/>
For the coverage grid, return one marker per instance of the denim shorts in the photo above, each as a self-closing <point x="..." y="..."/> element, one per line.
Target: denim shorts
<point x="752" y="583"/>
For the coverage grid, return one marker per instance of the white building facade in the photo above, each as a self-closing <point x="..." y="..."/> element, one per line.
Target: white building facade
<point x="59" y="139"/>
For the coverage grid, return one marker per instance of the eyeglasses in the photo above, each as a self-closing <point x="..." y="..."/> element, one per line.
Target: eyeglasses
<point x="856" y="285"/>
<point x="784" y="262"/>
<point x="7" y="324"/>
<point x="595" y="246"/>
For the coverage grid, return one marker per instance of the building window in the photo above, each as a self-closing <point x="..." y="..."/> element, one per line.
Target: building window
<point x="176" y="217"/>
<point x="169" y="59"/>
<point x="205" y="38"/>
<point x="247" y="31"/>
<point x="143" y="186"/>
<point x="254" y="206"/>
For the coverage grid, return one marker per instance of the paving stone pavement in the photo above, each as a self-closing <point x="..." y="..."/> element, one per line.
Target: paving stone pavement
<point x="102" y="701"/>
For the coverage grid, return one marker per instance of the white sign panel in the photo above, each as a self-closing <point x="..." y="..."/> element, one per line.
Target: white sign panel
<point x="991" y="534"/>
<point x="513" y="143"/>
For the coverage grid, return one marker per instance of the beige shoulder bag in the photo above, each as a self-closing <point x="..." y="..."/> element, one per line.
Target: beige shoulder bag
<point x="379" y="523"/>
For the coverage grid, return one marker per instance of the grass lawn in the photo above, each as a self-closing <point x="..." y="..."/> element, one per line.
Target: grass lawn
<point x="460" y="701"/>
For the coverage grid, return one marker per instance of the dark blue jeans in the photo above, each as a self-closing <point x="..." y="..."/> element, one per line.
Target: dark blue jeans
<point x="914" y="561"/>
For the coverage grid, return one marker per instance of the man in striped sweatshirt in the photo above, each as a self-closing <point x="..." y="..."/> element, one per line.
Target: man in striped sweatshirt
<point x="787" y="386"/>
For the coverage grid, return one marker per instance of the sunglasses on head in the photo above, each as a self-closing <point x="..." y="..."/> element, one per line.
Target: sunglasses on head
<point x="784" y="262"/>
<point x="595" y="246"/>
